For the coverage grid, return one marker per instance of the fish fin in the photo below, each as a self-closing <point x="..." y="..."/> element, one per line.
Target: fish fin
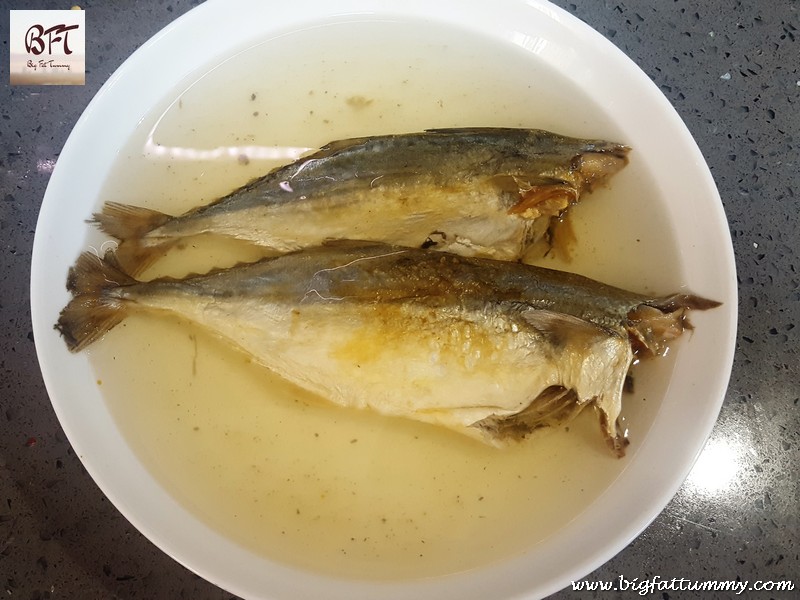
<point x="598" y="360"/>
<point x="544" y="201"/>
<point x="126" y="222"/>
<point x="652" y="325"/>
<point x="561" y="236"/>
<point x="555" y="406"/>
<point x="134" y="257"/>
<point x="92" y="312"/>
<point x="483" y="130"/>
<point x="334" y="147"/>
<point x="130" y="225"/>
<point x="561" y="328"/>
<point x="92" y="274"/>
<point x="617" y="442"/>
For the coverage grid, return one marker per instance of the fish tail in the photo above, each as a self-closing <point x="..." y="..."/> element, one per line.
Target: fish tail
<point x="92" y="311"/>
<point x="126" y="222"/>
<point x="131" y="226"/>
<point x="134" y="257"/>
<point x="653" y="324"/>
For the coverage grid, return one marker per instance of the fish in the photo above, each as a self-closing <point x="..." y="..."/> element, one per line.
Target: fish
<point x="492" y="349"/>
<point x="480" y="191"/>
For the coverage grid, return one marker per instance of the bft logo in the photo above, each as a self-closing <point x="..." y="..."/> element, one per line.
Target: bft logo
<point x="35" y="40"/>
<point x="48" y="47"/>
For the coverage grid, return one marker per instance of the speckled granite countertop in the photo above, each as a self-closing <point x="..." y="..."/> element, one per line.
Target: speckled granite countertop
<point x="731" y="69"/>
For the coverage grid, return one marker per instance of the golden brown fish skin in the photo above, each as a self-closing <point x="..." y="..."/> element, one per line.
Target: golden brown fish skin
<point x="474" y="191"/>
<point x="558" y="342"/>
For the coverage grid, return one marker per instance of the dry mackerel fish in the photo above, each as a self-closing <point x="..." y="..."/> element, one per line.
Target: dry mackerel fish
<point x="494" y="349"/>
<point x="490" y="192"/>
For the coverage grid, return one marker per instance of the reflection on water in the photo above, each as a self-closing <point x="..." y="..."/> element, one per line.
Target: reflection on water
<point x="252" y="152"/>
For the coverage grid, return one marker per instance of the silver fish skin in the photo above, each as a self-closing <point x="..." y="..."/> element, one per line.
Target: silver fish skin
<point x="473" y="191"/>
<point x="490" y="348"/>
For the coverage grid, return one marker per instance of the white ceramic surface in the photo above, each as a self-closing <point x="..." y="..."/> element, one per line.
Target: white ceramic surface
<point x="551" y="35"/>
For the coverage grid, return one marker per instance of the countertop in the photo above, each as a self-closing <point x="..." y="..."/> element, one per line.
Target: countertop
<point x="731" y="71"/>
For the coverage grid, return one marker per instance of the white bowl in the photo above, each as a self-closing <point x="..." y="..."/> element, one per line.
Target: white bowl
<point x="667" y="168"/>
